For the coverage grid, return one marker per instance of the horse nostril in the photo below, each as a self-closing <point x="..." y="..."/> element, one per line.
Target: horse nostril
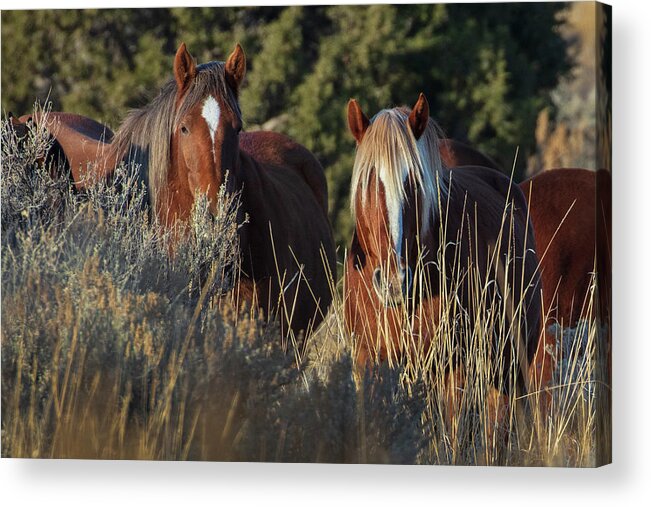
<point x="377" y="280"/>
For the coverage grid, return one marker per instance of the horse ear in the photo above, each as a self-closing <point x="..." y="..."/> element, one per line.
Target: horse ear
<point x="419" y="117"/>
<point x="235" y="68"/>
<point x="185" y="69"/>
<point x="357" y="120"/>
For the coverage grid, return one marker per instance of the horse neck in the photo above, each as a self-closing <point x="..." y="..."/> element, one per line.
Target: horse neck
<point x="254" y="184"/>
<point x="440" y="221"/>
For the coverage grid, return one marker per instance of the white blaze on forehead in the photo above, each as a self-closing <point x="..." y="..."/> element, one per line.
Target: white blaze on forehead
<point x="210" y="113"/>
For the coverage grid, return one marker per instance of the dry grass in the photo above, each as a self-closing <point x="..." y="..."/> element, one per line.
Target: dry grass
<point x="115" y="348"/>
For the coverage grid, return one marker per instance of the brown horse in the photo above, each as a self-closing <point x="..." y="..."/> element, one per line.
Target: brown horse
<point x="571" y="213"/>
<point x="570" y="210"/>
<point x="188" y="142"/>
<point x="189" y="138"/>
<point x="423" y="235"/>
<point x="79" y="145"/>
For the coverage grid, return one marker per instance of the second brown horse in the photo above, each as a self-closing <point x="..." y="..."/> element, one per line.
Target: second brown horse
<point x="570" y="210"/>
<point x="424" y="236"/>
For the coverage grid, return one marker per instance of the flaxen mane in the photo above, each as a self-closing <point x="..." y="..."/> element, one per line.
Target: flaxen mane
<point x="144" y="136"/>
<point x="390" y="153"/>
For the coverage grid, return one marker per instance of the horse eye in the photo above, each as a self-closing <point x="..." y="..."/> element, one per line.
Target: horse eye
<point x="184" y="130"/>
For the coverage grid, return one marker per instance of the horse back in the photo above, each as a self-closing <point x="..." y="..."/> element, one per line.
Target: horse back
<point x="82" y="125"/>
<point x="490" y="188"/>
<point x="82" y="140"/>
<point x="455" y="153"/>
<point x="278" y="152"/>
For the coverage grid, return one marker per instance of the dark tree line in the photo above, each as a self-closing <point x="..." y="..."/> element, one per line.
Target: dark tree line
<point x="487" y="69"/>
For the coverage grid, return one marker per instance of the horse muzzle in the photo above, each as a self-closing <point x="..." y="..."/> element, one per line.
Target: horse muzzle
<point x="392" y="290"/>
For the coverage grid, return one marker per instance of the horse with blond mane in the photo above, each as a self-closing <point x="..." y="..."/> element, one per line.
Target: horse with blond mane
<point x="423" y="234"/>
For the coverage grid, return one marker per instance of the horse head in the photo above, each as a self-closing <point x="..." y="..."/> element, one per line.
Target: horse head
<point x="207" y="121"/>
<point x="394" y="192"/>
